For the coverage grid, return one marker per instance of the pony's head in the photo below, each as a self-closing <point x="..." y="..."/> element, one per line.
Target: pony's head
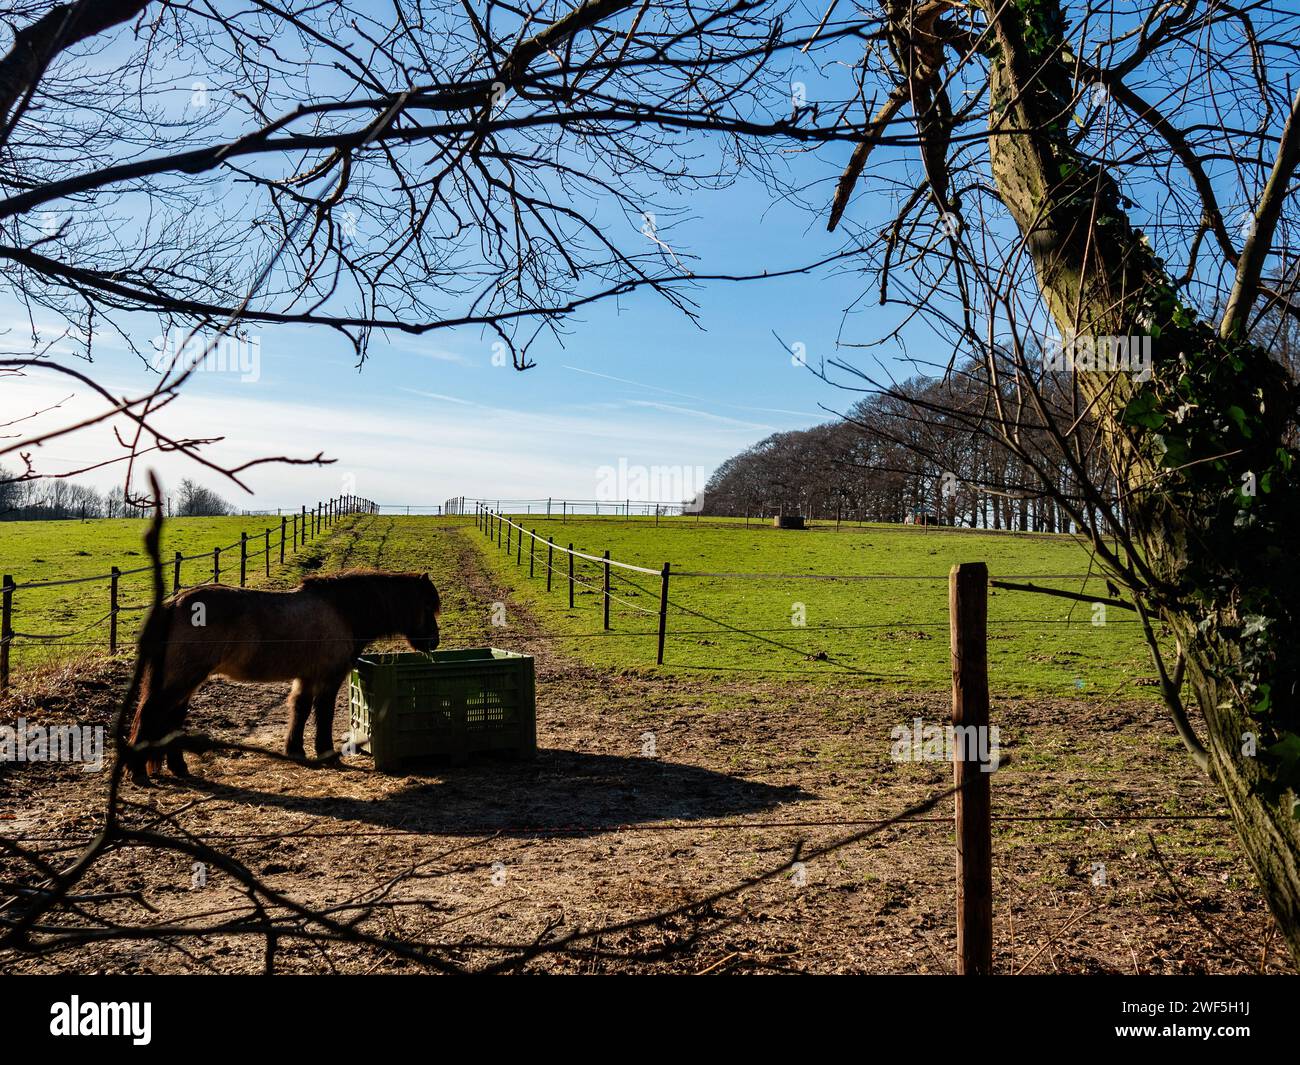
<point x="423" y="633"/>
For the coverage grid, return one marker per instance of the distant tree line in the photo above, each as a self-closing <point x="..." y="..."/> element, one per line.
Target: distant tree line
<point x="49" y="499"/>
<point x="927" y="449"/>
<point x="911" y="454"/>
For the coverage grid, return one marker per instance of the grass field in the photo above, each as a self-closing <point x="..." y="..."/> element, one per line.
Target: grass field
<point x="41" y="551"/>
<point x="891" y="630"/>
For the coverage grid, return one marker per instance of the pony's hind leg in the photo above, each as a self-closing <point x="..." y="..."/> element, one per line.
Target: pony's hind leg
<point x="326" y="694"/>
<point x="299" y="707"/>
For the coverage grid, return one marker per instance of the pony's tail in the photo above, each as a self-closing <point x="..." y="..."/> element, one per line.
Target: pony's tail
<point x="149" y="722"/>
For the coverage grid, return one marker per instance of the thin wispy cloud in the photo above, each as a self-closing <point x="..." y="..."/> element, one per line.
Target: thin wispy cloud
<point x="437" y="395"/>
<point x="424" y="351"/>
<point x="688" y="395"/>
<point x="675" y="409"/>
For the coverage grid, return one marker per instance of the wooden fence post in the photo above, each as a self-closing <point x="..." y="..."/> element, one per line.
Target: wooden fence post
<point x="532" y="551"/>
<point x="243" y="559"/>
<point x="968" y="614"/>
<point x="509" y="530"/>
<point x="570" y="576"/>
<point x="176" y="573"/>
<point x="6" y="627"/>
<point x="607" y="588"/>
<point x="283" y="523"/>
<point x="519" y="548"/>
<point x="216" y="565"/>
<point x="113" y="574"/>
<point x="550" y="557"/>
<point x="266" y="552"/>
<point x="663" y="613"/>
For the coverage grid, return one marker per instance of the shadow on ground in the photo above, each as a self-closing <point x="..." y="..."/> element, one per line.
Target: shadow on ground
<point x="558" y="792"/>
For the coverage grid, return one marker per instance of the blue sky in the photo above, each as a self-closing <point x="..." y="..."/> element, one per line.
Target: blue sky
<point x="634" y="381"/>
<point x="633" y="384"/>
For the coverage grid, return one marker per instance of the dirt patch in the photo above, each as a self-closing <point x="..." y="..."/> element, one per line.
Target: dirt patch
<point x="651" y="790"/>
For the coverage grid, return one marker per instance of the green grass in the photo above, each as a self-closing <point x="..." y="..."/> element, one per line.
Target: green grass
<point x="891" y="631"/>
<point x="59" y="550"/>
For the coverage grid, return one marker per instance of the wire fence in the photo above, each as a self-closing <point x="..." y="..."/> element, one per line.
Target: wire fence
<point x="295" y="531"/>
<point x="554" y="506"/>
<point x="510" y="535"/>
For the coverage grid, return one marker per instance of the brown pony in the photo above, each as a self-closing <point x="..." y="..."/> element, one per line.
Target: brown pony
<point x="311" y="636"/>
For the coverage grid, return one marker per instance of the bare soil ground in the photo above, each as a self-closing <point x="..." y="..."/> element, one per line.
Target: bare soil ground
<point x="745" y="777"/>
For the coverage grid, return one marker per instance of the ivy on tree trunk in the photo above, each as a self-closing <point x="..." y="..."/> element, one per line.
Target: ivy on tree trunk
<point x="1203" y="446"/>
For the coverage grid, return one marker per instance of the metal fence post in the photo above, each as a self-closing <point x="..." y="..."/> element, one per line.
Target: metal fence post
<point x="607" y="588"/>
<point x="663" y="613"/>
<point x="550" y="557"/>
<point x="570" y="576"/>
<point x="113" y="575"/>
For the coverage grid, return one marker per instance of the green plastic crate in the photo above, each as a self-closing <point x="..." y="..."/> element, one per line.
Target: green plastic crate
<point x="448" y="703"/>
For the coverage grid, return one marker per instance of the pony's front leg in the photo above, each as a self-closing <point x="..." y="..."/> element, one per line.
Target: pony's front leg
<point x="299" y="707"/>
<point x="176" y="753"/>
<point x="326" y="695"/>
